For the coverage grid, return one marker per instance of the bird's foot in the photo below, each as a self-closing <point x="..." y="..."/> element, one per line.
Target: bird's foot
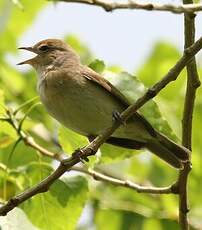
<point x="78" y="153"/>
<point x="116" y="116"/>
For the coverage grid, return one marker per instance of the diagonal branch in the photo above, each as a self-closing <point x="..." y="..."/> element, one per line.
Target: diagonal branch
<point x="131" y="4"/>
<point x="92" y="148"/>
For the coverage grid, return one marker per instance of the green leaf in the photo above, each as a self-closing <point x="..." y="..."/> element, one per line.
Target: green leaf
<point x="61" y="207"/>
<point x="38" y="170"/>
<point x="70" y="141"/>
<point x="21" y="157"/>
<point x="97" y="65"/>
<point x="113" y="219"/>
<point x="164" y="56"/>
<point x="110" y="153"/>
<point x="115" y="69"/>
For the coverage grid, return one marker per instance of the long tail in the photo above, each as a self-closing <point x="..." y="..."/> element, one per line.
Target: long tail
<point x="168" y="150"/>
<point x="160" y="145"/>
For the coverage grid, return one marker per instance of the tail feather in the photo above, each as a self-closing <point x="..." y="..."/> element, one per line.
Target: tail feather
<point x="179" y="151"/>
<point x="164" y="153"/>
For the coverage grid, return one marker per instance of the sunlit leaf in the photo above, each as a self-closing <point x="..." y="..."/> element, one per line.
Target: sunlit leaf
<point x="61" y="207"/>
<point x="97" y="65"/>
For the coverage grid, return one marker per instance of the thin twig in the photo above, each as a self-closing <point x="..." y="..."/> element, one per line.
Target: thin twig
<point x="91" y="149"/>
<point x="32" y="143"/>
<point x="193" y="83"/>
<point x="28" y="140"/>
<point x="125" y="183"/>
<point x="130" y="4"/>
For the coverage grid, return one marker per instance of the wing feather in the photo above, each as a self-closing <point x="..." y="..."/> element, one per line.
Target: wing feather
<point x="102" y="82"/>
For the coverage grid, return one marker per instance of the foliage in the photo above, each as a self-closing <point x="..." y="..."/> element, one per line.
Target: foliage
<point x="110" y="207"/>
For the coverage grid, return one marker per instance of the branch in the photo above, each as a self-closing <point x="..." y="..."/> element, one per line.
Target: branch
<point x="125" y="183"/>
<point x="92" y="148"/>
<point x="193" y="83"/>
<point x="28" y="140"/>
<point x="130" y="4"/>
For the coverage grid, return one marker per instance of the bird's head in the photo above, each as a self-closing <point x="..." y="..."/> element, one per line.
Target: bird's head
<point x="48" y="51"/>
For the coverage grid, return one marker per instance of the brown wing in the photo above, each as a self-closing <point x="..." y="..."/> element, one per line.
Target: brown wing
<point x="95" y="77"/>
<point x="102" y="82"/>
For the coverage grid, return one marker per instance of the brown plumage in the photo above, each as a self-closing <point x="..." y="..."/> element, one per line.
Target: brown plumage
<point x="84" y="101"/>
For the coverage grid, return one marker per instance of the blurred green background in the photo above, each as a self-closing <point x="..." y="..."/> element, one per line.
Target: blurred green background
<point x="77" y="201"/>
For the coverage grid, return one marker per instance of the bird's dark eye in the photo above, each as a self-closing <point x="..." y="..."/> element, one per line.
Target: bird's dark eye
<point x="43" y="48"/>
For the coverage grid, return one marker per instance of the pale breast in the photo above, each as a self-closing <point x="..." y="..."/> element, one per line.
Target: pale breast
<point x="77" y="103"/>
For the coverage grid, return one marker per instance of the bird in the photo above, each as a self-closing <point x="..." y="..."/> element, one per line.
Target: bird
<point x="85" y="102"/>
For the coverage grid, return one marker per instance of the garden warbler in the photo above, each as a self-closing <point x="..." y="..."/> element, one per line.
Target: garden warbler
<point x="83" y="101"/>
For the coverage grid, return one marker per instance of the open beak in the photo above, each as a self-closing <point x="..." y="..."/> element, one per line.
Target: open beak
<point x="31" y="49"/>
<point x="29" y="61"/>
